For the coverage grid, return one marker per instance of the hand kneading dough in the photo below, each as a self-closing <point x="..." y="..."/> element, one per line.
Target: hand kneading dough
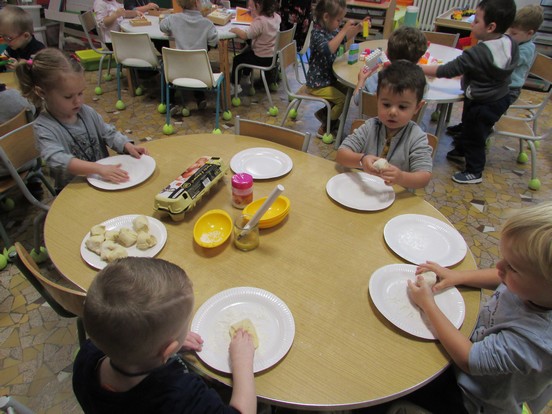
<point x="140" y="223"/>
<point x="429" y="277"/>
<point x="248" y="327"/>
<point x="127" y="237"/>
<point x="97" y="230"/>
<point x="145" y="240"/>
<point x="380" y="164"/>
<point x="94" y="243"/>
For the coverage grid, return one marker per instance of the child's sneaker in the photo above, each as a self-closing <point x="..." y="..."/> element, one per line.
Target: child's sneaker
<point x="455" y="130"/>
<point x="464" y="177"/>
<point x="456" y="155"/>
<point x="201" y="104"/>
<point x="175" y="110"/>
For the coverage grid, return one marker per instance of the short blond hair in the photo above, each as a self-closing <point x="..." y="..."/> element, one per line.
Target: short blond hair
<point x="188" y="4"/>
<point x="529" y="17"/>
<point x="136" y="306"/>
<point x="530" y="229"/>
<point x="13" y="18"/>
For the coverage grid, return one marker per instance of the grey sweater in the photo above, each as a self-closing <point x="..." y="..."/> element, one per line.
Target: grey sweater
<point x="191" y="31"/>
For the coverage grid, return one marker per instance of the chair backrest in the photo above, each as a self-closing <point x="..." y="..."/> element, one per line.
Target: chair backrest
<point x="369" y="107"/>
<point x="280" y="135"/>
<point x="135" y="50"/>
<point x="65" y="301"/>
<point x="88" y="23"/>
<point x="22" y="118"/>
<point x="283" y="38"/>
<point x="433" y="141"/>
<point x="192" y="65"/>
<point x="306" y="44"/>
<point x="440" y="38"/>
<point x="17" y="145"/>
<point x="288" y="59"/>
<point x="542" y="67"/>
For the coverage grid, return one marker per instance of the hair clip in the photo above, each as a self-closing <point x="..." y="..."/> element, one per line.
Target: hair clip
<point x="75" y="57"/>
<point x="30" y="62"/>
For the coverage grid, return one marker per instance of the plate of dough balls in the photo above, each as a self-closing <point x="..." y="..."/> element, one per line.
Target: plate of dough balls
<point x="123" y="236"/>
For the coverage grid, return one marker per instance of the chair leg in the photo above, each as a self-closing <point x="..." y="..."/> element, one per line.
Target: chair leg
<point x="294" y="104"/>
<point x="5" y="238"/>
<point x="263" y="77"/>
<point x="534" y="184"/>
<point x="168" y="103"/>
<point x="217" y="111"/>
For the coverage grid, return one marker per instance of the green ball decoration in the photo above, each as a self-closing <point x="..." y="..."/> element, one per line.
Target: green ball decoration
<point x="162" y="108"/>
<point x="98" y="90"/>
<point x="227" y="115"/>
<point x="327" y="138"/>
<point x="522" y="158"/>
<point x="168" y="129"/>
<point x="293" y="113"/>
<point x="120" y="105"/>
<point x="236" y="101"/>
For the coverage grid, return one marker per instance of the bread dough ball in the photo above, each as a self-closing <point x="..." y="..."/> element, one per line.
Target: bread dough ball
<point x="140" y="223"/>
<point x="380" y="164"/>
<point x="145" y="240"/>
<point x="429" y="277"/>
<point x="127" y="237"/>
<point x="111" y="251"/>
<point x="111" y="235"/>
<point x="248" y="327"/>
<point x="97" y="230"/>
<point x="94" y="243"/>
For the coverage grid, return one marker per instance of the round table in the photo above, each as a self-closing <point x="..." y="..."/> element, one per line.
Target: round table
<point x="319" y="261"/>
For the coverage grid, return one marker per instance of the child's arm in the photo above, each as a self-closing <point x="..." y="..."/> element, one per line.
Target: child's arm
<point x="349" y="158"/>
<point x="394" y="175"/>
<point x="454" y="342"/>
<point x="135" y="151"/>
<point x="363" y="74"/>
<point x="478" y="278"/>
<point x="244" y="398"/>
<point x="112" y="173"/>
<point x="242" y="34"/>
<point x="429" y="70"/>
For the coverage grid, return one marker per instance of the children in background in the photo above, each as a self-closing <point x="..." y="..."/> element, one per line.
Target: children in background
<point x="71" y="136"/>
<point x="508" y="360"/>
<point x="262" y="32"/>
<point x="486" y="69"/>
<point x="407" y="43"/>
<point x="16" y="28"/>
<point x="109" y="14"/>
<point x="191" y="31"/>
<point x="131" y="362"/>
<point x="142" y="6"/>
<point x="393" y="135"/>
<point x="325" y="41"/>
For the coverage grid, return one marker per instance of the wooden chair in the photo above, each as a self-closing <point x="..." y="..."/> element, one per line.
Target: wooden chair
<point x="440" y="38"/>
<point x="524" y="126"/>
<point x="66" y="301"/>
<point x="283" y="38"/>
<point x="280" y="135"/>
<point x="88" y="23"/>
<point x="304" y="50"/>
<point x="433" y="141"/>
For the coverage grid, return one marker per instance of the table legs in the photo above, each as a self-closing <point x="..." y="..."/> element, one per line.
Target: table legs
<point x="225" y="68"/>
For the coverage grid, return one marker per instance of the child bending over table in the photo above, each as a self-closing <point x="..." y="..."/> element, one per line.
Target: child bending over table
<point x="392" y="135"/>
<point x="508" y="359"/>
<point x="71" y="136"/>
<point x="137" y="314"/>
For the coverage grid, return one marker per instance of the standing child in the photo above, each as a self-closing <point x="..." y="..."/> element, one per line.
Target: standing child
<point x="393" y="136"/>
<point x="262" y="32"/>
<point x="131" y="362"/>
<point x="109" y="14"/>
<point x="16" y="28"/>
<point x="191" y="31"/>
<point x="486" y="69"/>
<point x="71" y="136"/>
<point x="325" y="41"/>
<point x="508" y="360"/>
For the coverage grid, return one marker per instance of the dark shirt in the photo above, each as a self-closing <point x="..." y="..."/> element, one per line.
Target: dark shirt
<point x="170" y="389"/>
<point x="27" y="52"/>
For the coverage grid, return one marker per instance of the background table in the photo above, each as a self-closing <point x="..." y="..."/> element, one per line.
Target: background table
<point x="441" y="90"/>
<point x="319" y="261"/>
<point x="9" y="79"/>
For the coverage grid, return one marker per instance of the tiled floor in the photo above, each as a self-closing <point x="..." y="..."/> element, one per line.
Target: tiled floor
<point x="37" y="347"/>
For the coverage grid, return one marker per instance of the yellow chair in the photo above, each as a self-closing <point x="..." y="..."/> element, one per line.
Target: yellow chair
<point x="88" y="23"/>
<point x="280" y="135"/>
<point x="524" y="126"/>
<point x="66" y="301"/>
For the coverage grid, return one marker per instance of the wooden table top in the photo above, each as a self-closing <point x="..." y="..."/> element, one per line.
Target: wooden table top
<point x="318" y="261"/>
<point x="9" y="79"/>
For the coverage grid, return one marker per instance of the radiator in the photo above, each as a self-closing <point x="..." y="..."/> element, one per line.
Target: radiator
<point x="430" y="9"/>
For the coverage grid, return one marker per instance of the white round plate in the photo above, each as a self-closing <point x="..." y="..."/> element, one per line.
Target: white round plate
<point x="360" y="191"/>
<point x="418" y="238"/>
<point x="261" y="163"/>
<point x="271" y="317"/>
<point x="138" y="169"/>
<point x="388" y="290"/>
<point x="155" y="226"/>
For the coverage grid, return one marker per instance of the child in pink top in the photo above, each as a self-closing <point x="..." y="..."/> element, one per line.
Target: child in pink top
<point x="109" y="15"/>
<point x="262" y="34"/>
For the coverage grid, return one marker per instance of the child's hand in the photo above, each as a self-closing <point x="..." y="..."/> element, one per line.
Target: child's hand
<point x="352" y="28"/>
<point x="193" y="342"/>
<point x="365" y="72"/>
<point x="368" y="164"/>
<point x="113" y="173"/>
<point x="420" y="293"/>
<point x="241" y="349"/>
<point x="391" y="175"/>
<point x="135" y="151"/>
<point x="153" y="6"/>
<point x="447" y="277"/>
<point x="12" y="63"/>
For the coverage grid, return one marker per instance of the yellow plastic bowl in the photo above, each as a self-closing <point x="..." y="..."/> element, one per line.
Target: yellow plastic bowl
<point x="213" y="228"/>
<point x="274" y="215"/>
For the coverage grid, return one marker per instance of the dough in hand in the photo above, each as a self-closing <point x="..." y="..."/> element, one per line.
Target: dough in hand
<point x="429" y="277"/>
<point x="248" y="327"/>
<point x="97" y="230"/>
<point x="94" y="243"/>
<point x="140" y="223"/>
<point x="127" y="237"/>
<point x="145" y="240"/>
<point x="380" y="164"/>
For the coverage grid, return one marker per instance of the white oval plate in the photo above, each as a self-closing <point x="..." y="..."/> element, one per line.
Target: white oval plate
<point x="138" y="169"/>
<point x="360" y="191"/>
<point x="271" y="317"/>
<point x="261" y="163"/>
<point x="418" y="238"/>
<point x="388" y="290"/>
<point x="156" y="228"/>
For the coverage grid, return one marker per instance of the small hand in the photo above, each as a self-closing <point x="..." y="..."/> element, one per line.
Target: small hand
<point x="365" y="72"/>
<point x="241" y="348"/>
<point x="447" y="277"/>
<point x="420" y="293"/>
<point x="367" y="164"/>
<point x="12" y="63"/>
<point x="113" y="173"/>
<point x="153" y="6"/>
<point x="135" y="151"/>
<point x="193" y="342"/>
<point x="391" y="174"/>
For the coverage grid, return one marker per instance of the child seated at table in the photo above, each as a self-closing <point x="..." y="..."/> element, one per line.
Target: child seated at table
<point x="109" y="14"/>
<point x="407" y="43"/>
<point x="71" y="136"/>
<point x="392" y="135"/>
<point x="191" y="31"/>
<point x="137" y="314"/>
<point x="16" y="28"/>
<point x="508" y="359"/>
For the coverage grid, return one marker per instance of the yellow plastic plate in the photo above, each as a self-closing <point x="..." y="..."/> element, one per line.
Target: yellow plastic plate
<point x="274" y="215"/>
<point x="213" y="228"/>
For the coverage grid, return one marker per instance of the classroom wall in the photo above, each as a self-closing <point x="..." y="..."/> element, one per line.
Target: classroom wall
<point x="521" y="3"/>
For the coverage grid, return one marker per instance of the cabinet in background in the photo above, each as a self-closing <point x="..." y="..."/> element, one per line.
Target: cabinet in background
<point x="381" y="14"/>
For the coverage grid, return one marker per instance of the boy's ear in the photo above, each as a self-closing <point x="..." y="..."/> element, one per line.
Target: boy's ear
<point x="491" y="27"/>
<point x="420" y="105"/>
<point x="172" y="348"/>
